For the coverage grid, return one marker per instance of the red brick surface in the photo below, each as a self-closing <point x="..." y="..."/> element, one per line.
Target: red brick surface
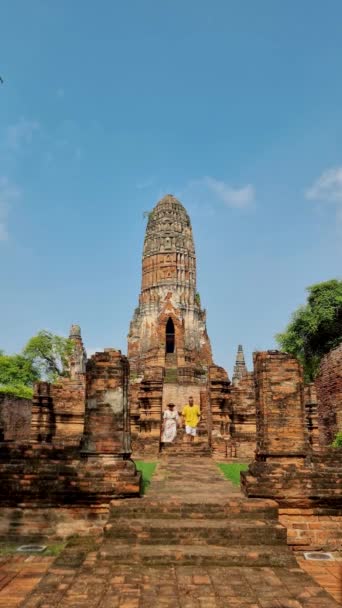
<point x="329" y="393"/>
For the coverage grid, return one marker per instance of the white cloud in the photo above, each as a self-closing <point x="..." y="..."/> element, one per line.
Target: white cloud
<point x="21" y="133"/>
<point x="208" y="191"/>
<point x="232" y="197"/>
<point x="8" y="193"/>
<point x="328" y="189"/>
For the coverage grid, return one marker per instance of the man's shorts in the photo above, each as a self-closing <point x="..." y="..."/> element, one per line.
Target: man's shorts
<point x="191" y="430"/>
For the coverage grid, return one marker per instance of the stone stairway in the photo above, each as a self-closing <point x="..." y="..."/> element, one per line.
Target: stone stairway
<point x="182" y="447"/>
<point x="193" y="516"/>
<point x="192" y="542"/>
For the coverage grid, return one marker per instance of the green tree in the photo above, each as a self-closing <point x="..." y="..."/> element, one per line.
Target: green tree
<point x="49" y="354"/>
<point x="17" y="369"/>
<point x="337" y="443"/>
<point x="17" y="375"/>
<point x="315" y="328"/>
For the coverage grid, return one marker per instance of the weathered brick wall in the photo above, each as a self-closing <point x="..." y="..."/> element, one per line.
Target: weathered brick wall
<point x="15" y="417"/>
<point x="56" y="483"/>
<point x="179" y="394"/>
<point x="220" y="408"/>
<point x="58" y="411"/>
<point x="280" y="405"/>
<point x="310" y="401"/>
<point x="107" y="426"/>
<point x="307" y="484"/>
<point x="243" y="427"/>
<point x="329" y="393"/>
<point x="146" y="399"/>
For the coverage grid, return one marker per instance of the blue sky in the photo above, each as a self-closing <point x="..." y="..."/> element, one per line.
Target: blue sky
<point x="233" y="106"/>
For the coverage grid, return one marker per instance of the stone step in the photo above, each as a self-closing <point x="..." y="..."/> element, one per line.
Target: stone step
<point x="199" y="555"/>
<point x="184" y="448"/>
<point x="192" y="532"/>
<point x="234" y="508"/>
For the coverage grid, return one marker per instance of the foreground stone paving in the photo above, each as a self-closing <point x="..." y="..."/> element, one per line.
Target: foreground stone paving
<point x="19" y="575"/>
<point x="109" y="572"/>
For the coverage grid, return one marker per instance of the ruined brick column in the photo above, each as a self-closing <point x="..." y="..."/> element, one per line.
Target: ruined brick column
<point x="306" y="484"/>
<point x="106" y="428"/>
<point x="280" y="410"/>
<point x="43" y="419"/>
<point x="282" y="436"/>
<point x="106" y="444"/>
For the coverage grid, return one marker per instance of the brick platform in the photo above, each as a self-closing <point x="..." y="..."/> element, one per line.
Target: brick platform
<point x="196" y="503"/>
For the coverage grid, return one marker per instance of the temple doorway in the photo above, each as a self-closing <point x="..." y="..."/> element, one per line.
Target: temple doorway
<point x="170" y="337"/>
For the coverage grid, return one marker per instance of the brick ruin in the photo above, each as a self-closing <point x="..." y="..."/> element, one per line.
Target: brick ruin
<point x="329" y="395"/>
<point x="306" y="483"/>
<point x="15" y="417"/>
<point x="60" y="480"/>
<point x="63" y="462"/>
<point x="169" y="349"/>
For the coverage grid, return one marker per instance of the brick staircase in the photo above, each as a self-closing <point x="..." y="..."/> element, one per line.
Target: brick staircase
<point x="171" y="375"/>
<point x="181" y="447"/>
<point x="191" y="516"/>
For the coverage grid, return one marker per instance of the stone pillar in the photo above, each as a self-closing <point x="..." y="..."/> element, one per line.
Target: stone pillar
<point x="106" y="428"/>
<point x="280" y="410"/>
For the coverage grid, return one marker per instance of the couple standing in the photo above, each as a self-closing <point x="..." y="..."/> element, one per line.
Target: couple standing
<point x="191" y="416"/>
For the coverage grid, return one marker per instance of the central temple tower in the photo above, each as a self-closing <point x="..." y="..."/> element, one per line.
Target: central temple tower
<point x="169" y="326"/>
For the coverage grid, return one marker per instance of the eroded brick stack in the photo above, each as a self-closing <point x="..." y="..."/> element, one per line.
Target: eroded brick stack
<point x="56" y="487"/>
<point x="15" y="417"/>
<point x="243" y="427"/>
<point x="58" y="411"/>
<point x="329" y="393"/>
<point x="220" y="407"/>
<point x="146" y="399"/>
<point x="306" y="485"/>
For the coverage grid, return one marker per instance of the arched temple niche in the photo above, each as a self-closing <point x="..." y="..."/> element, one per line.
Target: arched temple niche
<point x="170" y="337"/>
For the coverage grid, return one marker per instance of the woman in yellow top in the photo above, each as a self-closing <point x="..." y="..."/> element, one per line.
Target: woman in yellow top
<point x="191" y="415"/>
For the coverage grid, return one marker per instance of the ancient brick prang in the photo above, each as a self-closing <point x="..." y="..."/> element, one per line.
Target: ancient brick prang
<point x="329" y="393"/>
<point x="169" y="325"/>
<point x="240" y="369"/>
<point x="78" y="358"/>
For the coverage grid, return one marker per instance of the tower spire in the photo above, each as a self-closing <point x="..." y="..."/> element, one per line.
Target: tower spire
<point x="240" y="369"/>
<point x="78" y="358"/>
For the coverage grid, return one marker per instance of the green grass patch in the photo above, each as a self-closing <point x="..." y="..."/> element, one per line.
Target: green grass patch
<point x="232" y="470"/>
<point x="146" y="469"/>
